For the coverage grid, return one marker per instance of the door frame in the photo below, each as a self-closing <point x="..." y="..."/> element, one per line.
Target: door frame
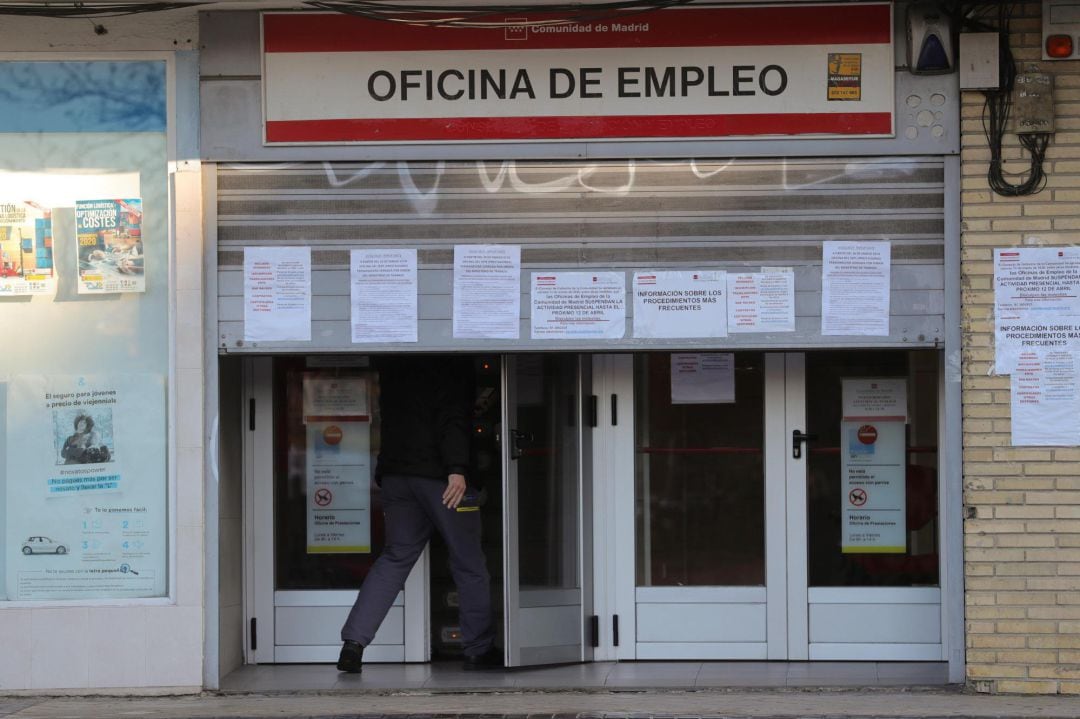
<point x="261" y="600"/>
<point x="788" y="597"/>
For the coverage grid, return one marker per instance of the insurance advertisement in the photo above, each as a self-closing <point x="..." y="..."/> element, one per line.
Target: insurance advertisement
<point x="86" y="489"/>
<point x="26" y="250"/>
<point x="698" y="72"/>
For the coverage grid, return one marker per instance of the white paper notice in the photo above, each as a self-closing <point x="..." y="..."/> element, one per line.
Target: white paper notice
<point x="487" y="292"/>
<point x="1046" y="399"/>
<point x="761" y="302"/>
<point x="277" y="294"/>
<point x="1036" y="302"/>
<point x="680" y="304"/>
<point x="384" y="288"/>
<point x="869" y="398"/>
<point x="855" y="288"/>
<point x="703" y="378"/>
<point x="570" y="305"/>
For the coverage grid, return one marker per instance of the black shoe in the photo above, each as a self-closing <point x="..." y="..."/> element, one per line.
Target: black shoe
<point x="491" y="659"/>
<point x="351" y="657"/>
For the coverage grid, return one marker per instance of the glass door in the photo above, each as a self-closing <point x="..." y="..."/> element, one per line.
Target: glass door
<point x="778" y="506"/>
<point x="701" y="496"/>
<point x="313" y="515"/>
<point x="866" y="500"/>
<point x="542" y="509"/>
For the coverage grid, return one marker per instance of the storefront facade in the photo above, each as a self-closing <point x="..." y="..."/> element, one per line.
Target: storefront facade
<point x="658" y="489"/>
<point x="666" y="489"/>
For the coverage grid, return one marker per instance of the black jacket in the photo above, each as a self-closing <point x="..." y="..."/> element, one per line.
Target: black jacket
<point x="426" y="406"/>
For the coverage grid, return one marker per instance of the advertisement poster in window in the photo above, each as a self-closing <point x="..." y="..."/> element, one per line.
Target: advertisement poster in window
<point x="86" y="490"/>
<point x="337" y="464"/>
<point x="111" y="255"/>
<point x="26" y="250"/>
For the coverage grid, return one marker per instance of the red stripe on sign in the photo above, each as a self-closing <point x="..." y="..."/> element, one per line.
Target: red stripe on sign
<point x="568" y="127"/>
<point x="691" y="27"/>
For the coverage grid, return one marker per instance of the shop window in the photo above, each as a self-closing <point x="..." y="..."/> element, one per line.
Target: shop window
<point x="84" y="310"/>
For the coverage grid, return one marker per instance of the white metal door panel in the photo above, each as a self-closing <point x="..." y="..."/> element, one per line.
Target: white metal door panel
<point x="322" y="626"/>
<point x="875" y="623"/>
<point x="701" y="623"/>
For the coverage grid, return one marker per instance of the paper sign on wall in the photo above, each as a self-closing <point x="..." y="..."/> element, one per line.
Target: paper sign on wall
<point x="487" y="291"/>
<point x="277" y="294"/>
<point x="1036" y="302"/>
<point x="1046" y="398"/>
<point x="703" y="378"/>
<point x="576" y="305"/>
<point x="761" y="301"/>
<point x="383" y="295"/>
<point x="680" y="304"/>
<point x="855" y="284"/>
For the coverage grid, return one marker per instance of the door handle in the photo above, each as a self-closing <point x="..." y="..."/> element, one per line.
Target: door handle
<point x="797" y="441"/>
<point x="516" y="438"/>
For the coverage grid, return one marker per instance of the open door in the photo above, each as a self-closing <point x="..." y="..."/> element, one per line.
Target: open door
<point x="543" y="509"/>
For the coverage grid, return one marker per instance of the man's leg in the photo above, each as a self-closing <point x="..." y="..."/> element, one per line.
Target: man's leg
<point x="460" y="528"/>
<point x="408" y="529"/>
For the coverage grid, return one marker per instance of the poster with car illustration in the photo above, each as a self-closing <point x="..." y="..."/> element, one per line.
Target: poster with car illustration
<point x="26" y="250"/>
<point x="111" y="257"/>
<point x="86" y="509"/>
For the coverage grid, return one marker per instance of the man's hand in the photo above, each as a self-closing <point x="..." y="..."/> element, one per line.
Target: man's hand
<point x="455" y="490"/>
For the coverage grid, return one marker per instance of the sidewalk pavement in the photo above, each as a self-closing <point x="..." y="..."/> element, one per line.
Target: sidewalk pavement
<point x="789" y="703"/>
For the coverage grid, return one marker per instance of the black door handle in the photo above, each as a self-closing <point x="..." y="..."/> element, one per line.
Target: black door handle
<point x="797" y="440"/>
<point x="516" y="438"/>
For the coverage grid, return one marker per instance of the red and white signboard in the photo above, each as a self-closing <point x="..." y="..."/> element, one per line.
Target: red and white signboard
<point x="813" y="70"/>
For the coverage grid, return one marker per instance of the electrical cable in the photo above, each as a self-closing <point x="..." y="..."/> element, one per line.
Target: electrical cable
<point x="92" y="9"/>
<point x="492" y="16"/>
<point x="996" y="109"/>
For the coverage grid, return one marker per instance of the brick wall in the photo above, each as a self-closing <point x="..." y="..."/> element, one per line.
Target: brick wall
<point x="1022" y="505"/>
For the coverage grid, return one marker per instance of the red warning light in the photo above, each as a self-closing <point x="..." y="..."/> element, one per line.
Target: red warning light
<point x="1059" y="46"/>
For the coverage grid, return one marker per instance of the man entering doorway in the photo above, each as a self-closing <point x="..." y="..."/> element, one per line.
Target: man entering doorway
<point x="426" y="408"/>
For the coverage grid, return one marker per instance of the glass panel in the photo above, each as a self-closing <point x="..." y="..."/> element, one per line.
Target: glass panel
<point x="295" y="566"/>
<point x="547" y="470"/>
<point x="84" y="302"/>
<point x="700" y="479"/>
<point x="913" y="559"/>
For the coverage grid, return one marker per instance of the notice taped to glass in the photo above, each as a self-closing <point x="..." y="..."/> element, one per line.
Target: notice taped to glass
<point x="26" y="250"/>
<point x="110" y="244"/>
<point x="88" y="517"/>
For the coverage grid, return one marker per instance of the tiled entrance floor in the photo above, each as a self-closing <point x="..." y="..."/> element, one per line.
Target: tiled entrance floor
<point x="449" y="676"/>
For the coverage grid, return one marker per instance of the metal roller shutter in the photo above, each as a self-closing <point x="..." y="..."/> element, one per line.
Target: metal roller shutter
<point x="611" y="215"/>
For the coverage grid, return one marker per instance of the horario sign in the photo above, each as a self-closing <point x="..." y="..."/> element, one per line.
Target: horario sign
<point x="755" y="72"/>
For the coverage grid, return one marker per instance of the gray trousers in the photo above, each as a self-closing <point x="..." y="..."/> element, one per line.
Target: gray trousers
<point x="413" y="508"/>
